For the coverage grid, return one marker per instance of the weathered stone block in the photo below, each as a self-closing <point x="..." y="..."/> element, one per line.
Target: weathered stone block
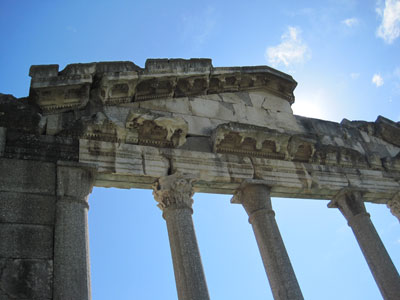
<point x="179" y="105"/>
<point x="26" y="241"/>
<point x="201" y="126"/>
<point x="43" y="71"/>
<point x="2" y="140"/>
<point x="27" y="176"/>
<point x="19" y="114"/>
<point x="25" y="208"/>
<point x="388" y="130"/>
<point x="124" y="159"/>
<point x="40" y="147"/>
<point x="198" y="143"/>
<point x="194" y="65"/>
<point x="26" y="279"/>
<point x="212" y="109"/>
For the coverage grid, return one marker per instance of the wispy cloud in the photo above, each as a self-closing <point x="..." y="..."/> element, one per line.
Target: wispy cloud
<point x="389" y="29"/>
<point x="291" y="50"/>
<point x="354" y="75"/>
<point x="198" y="27"/>
<point x="351" y="22"/>
<point x="377" y="80"/>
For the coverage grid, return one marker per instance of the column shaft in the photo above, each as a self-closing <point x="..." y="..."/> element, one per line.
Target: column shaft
<point x="384" y="272"/>
<point x="189" y="275"/>
<point x="257" y="203"/>
<point x="382" y="268"/>
<point x="174" y="194"/>
<point x="71" y="241"/>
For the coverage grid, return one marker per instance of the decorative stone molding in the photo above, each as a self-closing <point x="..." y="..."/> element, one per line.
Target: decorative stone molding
<point x="124" y="82"/>
<point x="156" y="129"/>
<point x="141" y="127"/>
<point x="61" y="98"/>
<point x="235" y="138"/>
<point x="174" y="191"/>
<point x="394" y="205"/>
<point x="117" y="88"/>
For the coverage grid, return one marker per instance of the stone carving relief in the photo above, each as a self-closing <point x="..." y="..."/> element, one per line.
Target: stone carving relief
<point x="254" y="141"/>
<point x="61" y="98"/>
<point x="141" y="127"/>
<point x="174" y="191"/>
<point x="156" y="129"/>
<point x="117" y="88"/>
<point x="250" y="140"/>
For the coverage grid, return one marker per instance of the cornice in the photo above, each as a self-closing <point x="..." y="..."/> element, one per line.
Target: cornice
<point x="125" y="82"/>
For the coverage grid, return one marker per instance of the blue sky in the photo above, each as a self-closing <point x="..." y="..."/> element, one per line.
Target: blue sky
<point x="344" y="55"/>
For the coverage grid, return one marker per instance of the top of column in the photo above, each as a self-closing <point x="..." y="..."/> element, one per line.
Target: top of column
<point x="253" y="195"/>
<point x="174" y="191"/>
<point x="75" y="179"/>
<point x="349" y="201"/>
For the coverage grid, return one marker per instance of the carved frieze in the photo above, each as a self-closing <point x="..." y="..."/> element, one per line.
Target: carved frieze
<point x="250" y="140"/>
<point x="141" y="127"/>
<point x="57" y="91"/>
<point x="153" y="88"/>
<point x="156" y="129"/>
<point x="124" y="82"/>
<point x="117" y="88"/>
<point x="301" y="148"/>
<point x="191" y="86"/>
<point x="61" y="98"/>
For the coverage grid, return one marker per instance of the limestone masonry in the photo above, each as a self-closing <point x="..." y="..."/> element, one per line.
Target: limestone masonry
<point x="177" y="126"/>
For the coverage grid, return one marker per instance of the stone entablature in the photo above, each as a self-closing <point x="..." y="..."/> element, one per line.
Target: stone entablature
<point x="213" y="126"/>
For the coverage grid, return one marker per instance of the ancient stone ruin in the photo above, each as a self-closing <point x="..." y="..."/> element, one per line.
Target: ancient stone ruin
<point x="177" y="127"/>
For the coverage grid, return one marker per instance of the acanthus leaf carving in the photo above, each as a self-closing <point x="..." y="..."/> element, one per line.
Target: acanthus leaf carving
<point x="174" y="191"/>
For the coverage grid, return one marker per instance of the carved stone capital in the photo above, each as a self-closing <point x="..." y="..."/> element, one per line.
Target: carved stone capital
<point x="174" y="191"/>
<point x="254" y="195"/>
<point x="75" y="181"/>
<point x="350" y="203"/>
<point x="394" y="205"/>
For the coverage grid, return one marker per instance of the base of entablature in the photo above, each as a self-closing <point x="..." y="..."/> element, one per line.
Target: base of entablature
<point x="136" y="166"/>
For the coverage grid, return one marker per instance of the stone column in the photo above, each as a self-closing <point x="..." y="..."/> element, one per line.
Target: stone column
<point x="351" y="205"/>
<point x="394" y="205"/>
<point x="3" y="131"/>
<point x="174" y="195"/>
<point x="255" y="198"/>
<point x="71" y="241"/>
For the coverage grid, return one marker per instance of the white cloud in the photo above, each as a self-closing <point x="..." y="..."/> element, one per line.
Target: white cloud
<point x="354" y="75"/>
<point x="389" y="29"/>
<point x="351" y="22"/>
<point x="377" y="80"/>
<point x="291" y="50"/>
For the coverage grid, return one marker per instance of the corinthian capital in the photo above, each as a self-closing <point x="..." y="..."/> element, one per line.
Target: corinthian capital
<point x="174" y="191"/>
<point x="349" y="201"/>
<point x="394" y="205"/>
